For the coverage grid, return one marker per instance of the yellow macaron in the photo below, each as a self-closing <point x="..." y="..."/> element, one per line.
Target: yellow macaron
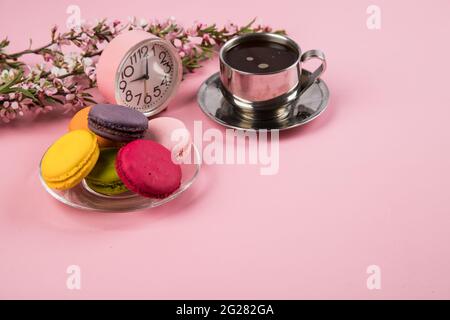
<point x="70" y="159"/>
<point x="80" y="121"/>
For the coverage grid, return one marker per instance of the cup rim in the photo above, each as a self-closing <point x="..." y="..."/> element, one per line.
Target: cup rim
<point x="281" y="39"/>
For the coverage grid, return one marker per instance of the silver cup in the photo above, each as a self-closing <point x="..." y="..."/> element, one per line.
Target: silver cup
<point x="266" y="95"/>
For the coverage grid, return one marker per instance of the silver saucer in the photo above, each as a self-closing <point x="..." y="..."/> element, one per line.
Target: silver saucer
<point x="311" y="103"/>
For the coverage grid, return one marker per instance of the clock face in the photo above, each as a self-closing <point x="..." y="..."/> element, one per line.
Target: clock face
<point x="147" y="76"/>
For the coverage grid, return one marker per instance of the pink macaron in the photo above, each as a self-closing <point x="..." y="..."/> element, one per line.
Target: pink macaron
<point x="146" y="168"/>
<point x="172" y="134"/>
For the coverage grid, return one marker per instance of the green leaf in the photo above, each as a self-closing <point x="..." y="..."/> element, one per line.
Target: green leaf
<point x="90" y="100"/>
<point x="248" y="25"/>
<point x="53" y="100"/>
<point x="12" y="82"/>
<point x="26" y="93"/>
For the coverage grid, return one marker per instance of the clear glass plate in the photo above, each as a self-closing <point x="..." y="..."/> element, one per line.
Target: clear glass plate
<point x="82" y="197"/>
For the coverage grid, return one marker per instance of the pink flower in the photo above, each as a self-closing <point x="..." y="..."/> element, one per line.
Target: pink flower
<point x="177" y="43"/>
<point x="231" y="28"/>
<point x="192" y="32"/>
<point x="48" y="57"/>
<point x="26" y="101"/>
<point x="3" y="115"/>
<point x="199" y="25"/>
<point x="187" y="48"/>
<point x="70" y="97"/>
<point x="206" y="38"/>
<point x="91" y="73"/>
<point x="57" y="82"/>
<point x="266" y="29"/>
<point x="25" y="107"/>
<point x="66" y="90"/>
<point x="51" y="91"/>
<point x="171" y="35"/>
<point x="15" y="105"/>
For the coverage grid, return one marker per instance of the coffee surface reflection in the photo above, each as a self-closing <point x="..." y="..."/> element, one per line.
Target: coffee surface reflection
<point x="260" y="57"/>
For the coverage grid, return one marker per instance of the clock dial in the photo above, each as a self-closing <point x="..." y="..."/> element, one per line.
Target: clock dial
<point x="146" y="76"/>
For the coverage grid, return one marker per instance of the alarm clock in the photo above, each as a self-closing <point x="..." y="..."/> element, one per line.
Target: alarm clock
<point x="139" y="70"/>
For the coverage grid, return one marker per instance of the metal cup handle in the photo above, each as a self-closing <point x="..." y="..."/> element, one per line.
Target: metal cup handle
<point x="314" y="54"/>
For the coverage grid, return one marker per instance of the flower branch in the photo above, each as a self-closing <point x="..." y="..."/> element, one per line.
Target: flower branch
<point x="63" y="79"/>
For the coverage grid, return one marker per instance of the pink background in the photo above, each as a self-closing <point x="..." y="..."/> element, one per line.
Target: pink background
<point x="366" y="183"/>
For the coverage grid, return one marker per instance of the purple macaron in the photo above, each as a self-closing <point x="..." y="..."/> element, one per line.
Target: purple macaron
<point x="117" y="123"/>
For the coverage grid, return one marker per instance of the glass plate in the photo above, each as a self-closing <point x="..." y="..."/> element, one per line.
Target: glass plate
<point x="82" y="197"/>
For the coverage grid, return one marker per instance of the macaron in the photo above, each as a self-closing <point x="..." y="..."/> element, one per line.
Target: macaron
<point x="172" y="134"/>
<point x="146" y="168"/>
<point x="103" y="178"/>
<point x="80" y="121"/>
<point x="117" y="123"/>
<point x="69" y="159"/>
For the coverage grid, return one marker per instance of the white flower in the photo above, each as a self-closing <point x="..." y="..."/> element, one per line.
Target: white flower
<point x="71" y="59"/>
<point x="87" y="62"/>
<point x="143" y="22"/>
<point x="132" y="20"/>
<point x="7" y="75"/>
<point x="58" y="71"/>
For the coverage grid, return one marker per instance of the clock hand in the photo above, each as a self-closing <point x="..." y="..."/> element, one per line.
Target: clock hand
<point x="145" y="76"/>
<point x="140" y="78"/>
<point x="146" y="69"/>
<point x="145" y="87"/>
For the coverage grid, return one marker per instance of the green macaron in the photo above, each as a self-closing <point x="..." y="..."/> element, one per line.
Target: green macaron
<point x="103" y="178"/>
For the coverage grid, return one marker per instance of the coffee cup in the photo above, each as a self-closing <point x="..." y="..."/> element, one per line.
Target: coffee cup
<point x="260" y="73"/>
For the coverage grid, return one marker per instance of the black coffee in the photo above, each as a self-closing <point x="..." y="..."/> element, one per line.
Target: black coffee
<point x="260" y="57"/>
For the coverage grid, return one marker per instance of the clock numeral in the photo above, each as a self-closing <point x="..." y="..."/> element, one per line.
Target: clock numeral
<point x="165" y="81"/>
<point x="156" y="91"/>
<point x="168" y="66"/>
<point x="129" y="96"/>
<point x="128" y="71"/>
<point x="147" y="99"/>
<point x="133" y="58"/>
<point x="164" y="62"/>
<point x="138" y="54"/>
<point x="154" y="51"/>
<point x="139" y="99"/>
<point x="143" y="50"/>
<point x="162" y="57"/>
<point x="122" y="85"/>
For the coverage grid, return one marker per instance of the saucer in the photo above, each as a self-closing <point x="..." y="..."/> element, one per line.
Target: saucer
<point x="311" y="103"/>
<point x="83" y="197"/>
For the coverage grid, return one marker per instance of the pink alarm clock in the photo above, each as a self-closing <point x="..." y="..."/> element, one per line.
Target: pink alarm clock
<point x="140" y="71"/>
